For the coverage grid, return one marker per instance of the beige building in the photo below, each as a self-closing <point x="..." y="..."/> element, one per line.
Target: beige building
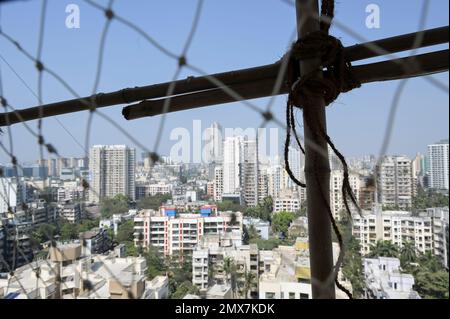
<point x="395" y="226"/>
<point x="93" y="277"/>
<point x="208" y="268"/>
<point x="395" y="182"/>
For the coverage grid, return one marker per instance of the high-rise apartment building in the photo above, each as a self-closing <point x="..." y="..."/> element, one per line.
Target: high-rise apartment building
<point x="336" y="196"/>
<point x="231" y="162"/>
<point x="438" y="165"/>
<point x="213" y="150"/>
<point x="394" y="182"/>
<point x="218" y="183"/>
<point x="249" y="173"/>
<point x="113" y="171"/>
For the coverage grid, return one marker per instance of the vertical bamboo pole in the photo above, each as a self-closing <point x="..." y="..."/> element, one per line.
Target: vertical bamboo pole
<point x="317" y="168"/>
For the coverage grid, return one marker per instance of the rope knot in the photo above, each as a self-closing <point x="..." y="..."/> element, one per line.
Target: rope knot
<point x="336" y="70"/>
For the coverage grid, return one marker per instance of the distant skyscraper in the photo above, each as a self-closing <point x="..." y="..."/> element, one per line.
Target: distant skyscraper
<point x="249" y="173"/>
<point x="438" y="165"/>
<point x="232" y="147"/>
<point x="113" y="171"/>
<point x="213" y="150"/>
<point x="394" y="182"/>
<point x="296" y="164"/>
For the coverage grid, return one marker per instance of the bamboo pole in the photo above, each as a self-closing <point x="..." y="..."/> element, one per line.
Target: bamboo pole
<point x="233" y="78"/>
<point x="430" y="63"/>
<point x="317" y="167"/>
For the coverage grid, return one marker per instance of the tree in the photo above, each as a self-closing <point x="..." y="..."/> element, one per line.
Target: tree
<point x="125" y="232"/>
<point x="69" y="231"/>
<point x="119" y="204"/>
<point x="43" y="233"/>
<point x="281" y="222"/>
<point x="228" y="205"/>
<point x="153" y="202"/>
<point x="432" y="285"/>
<point x="155" y="263"/>
<point x="352" y="267"/>
<point x="185" y="288"/>
<point x="428" y="198"/>
<point x="249" y="282"/>
<point x="384" y="248"/>
<point x="408" y="254"/>
<point x="87" y="224"/>
<point x="253" y="234"/>
<point x="262" y="211"/>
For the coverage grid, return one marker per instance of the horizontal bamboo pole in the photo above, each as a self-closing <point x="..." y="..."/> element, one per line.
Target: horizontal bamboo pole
<point x="230" y="79"/>
<point x="382" y="71"/>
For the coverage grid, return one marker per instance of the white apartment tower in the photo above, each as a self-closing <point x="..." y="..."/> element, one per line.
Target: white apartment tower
<point x="296" y="164"/>
<point x="231" y="161"/>
<point x="336" y="197"/>
<point x="113" y="171"/>
<point x="438" y="165"/>
<point x="213" y="150"/>
<point x="394" y="182"/>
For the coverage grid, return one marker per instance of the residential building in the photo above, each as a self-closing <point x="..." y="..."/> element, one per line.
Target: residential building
<point x="71" y="212"/>
<point x="81" y="277"/>
<point x="220" y="292"/>
<point x="208" y="269"/>
<point x="178" y="234"/>
<point x="249" y="173"/>
<point x="394" y="182"/>
<point x="285" y="272"/>
<point x="12" y="194"/>
<point x="440" y="220"/>
<point x="337" y="197"/>
<point x="288" y="201"/>
<point x="113" y="171"/>
<point x="16" y="244"/>
<point x="262" y="227"/>
<point x="95" y="241"/>
<point x="232" y="148"/>
<point x="438" y="161"/>
<point x="213" y="149"/>
<point x="398" y="227"/>
<point x="384" y="280"/>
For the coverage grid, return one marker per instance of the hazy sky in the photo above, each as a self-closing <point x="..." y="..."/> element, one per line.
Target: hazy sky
<point x="231" y="34"/>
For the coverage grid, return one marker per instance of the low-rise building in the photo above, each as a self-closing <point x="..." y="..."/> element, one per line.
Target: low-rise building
<point x="83" y="277"/>
<point x="385" y="281"/>
<point x="71" y="212"/>
<point x="220" y="292"/>
<point x="261" y="226"/>
<point x="209" y="265"/>
<point x="95" y="241"/>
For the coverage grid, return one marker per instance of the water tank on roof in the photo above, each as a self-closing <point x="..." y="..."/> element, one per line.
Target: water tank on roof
<point x="205" y="211"/>
<point x="171" y="212"/>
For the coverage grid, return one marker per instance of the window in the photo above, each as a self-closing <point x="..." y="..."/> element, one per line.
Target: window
<point x="270" y="295"/>
<point x="292" y="295"/>
<point x="304" y="296"/>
